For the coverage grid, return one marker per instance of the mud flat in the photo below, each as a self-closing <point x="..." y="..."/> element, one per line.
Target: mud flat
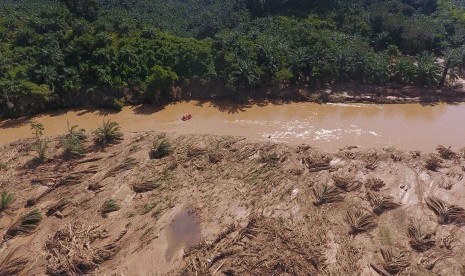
<point x="245" y="208"/>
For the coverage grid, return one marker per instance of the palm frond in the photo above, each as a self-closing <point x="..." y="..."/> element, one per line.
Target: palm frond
<point x="326" y="194"/>
<point x="346" y="183"/>
<point x="110" y="205"/>
<point x="374" y="184"/>
<point x="446" y="213"/>
<point x="25" y="225"/>
<point x="395" y="261"/>
<point x="420" y="239"/>
<point x="381" y="203"/>
<point x="12" y="265"/>
<point x="360" y="221"/>
<point x="6" y="199"/>
<point x="108" y="133"/>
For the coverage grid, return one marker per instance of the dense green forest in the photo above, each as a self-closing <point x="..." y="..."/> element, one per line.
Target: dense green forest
<point x="56" y="54"/>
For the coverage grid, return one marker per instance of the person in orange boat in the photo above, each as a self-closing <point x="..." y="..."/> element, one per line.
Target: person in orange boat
<point x="186" y="117"/>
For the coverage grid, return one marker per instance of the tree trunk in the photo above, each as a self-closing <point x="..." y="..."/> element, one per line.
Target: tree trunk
<point x="444" y="74"/>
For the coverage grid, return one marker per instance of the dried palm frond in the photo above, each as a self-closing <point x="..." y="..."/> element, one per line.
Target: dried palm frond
<point x="360" y="221"/>
<point x="346" y="183"/>
<point x="420" y="239"/>
<point x="12" y="265"/>
<point x="105" y="253"/>
<point x="445" y="153"/>
<point x="25" y="225"/>
<point x="374" y="184"/>
<point x="395" y="261"/>
<point x="433" y="163"/>
<point x="60" y="205"/>
<point x="127" y="164"/>
<point x="326" y="194"/>
<point x="146" y="186"/>
<point x="446" y="213"/>
<point x="381" y="203"/>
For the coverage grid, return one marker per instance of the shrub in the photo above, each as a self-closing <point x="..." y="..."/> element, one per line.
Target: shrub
<point x="108" y="133"/>
<point x="77" y="132"/>
<point x="6" y="199"/>
<point x="40" y="145"/>
<point x="360" y="221"/>
<point x="118" y="104"/>
<point x="161" y="147"/>
<point x="110" y="205"/>
<point x="326" y="194"/>
<point x="72" y="146"/>
<point x="25" y="225"/>
<point x="3" y="166"/>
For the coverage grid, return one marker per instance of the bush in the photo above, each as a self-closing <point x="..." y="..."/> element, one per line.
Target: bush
<point x="72" y="142"/>
<point x="118" y="104"/>
<point x="110" y="205"/>
<point x="72" y="146"/>
<point x="108" y="133"/>
<point x="40" y="145"/>
<point x="6" y="199"/>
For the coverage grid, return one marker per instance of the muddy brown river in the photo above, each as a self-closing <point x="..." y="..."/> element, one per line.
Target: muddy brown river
<point x="328" y="126"/>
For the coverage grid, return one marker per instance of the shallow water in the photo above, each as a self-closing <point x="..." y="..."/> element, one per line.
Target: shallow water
<point x="183" y="232"/>
<point x="329" y="126"/>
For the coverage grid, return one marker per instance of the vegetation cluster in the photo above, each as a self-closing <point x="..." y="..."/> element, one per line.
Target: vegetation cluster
<point x="56" y="54"/>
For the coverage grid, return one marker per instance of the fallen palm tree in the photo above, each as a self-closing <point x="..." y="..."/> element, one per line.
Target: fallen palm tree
<point x="261" y="247"/>
<point x="72" y="250"/>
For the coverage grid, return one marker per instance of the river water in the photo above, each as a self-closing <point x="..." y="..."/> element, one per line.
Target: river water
<point x="328" y="126"/>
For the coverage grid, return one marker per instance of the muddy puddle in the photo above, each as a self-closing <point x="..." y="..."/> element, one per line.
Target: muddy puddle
<point x="183" y="232"/>
<point x="329" y="126"/>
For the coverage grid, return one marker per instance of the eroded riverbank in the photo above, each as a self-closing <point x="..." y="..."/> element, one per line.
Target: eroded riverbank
<point x="255" y="207"/>
<point x="328" y="126"/>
